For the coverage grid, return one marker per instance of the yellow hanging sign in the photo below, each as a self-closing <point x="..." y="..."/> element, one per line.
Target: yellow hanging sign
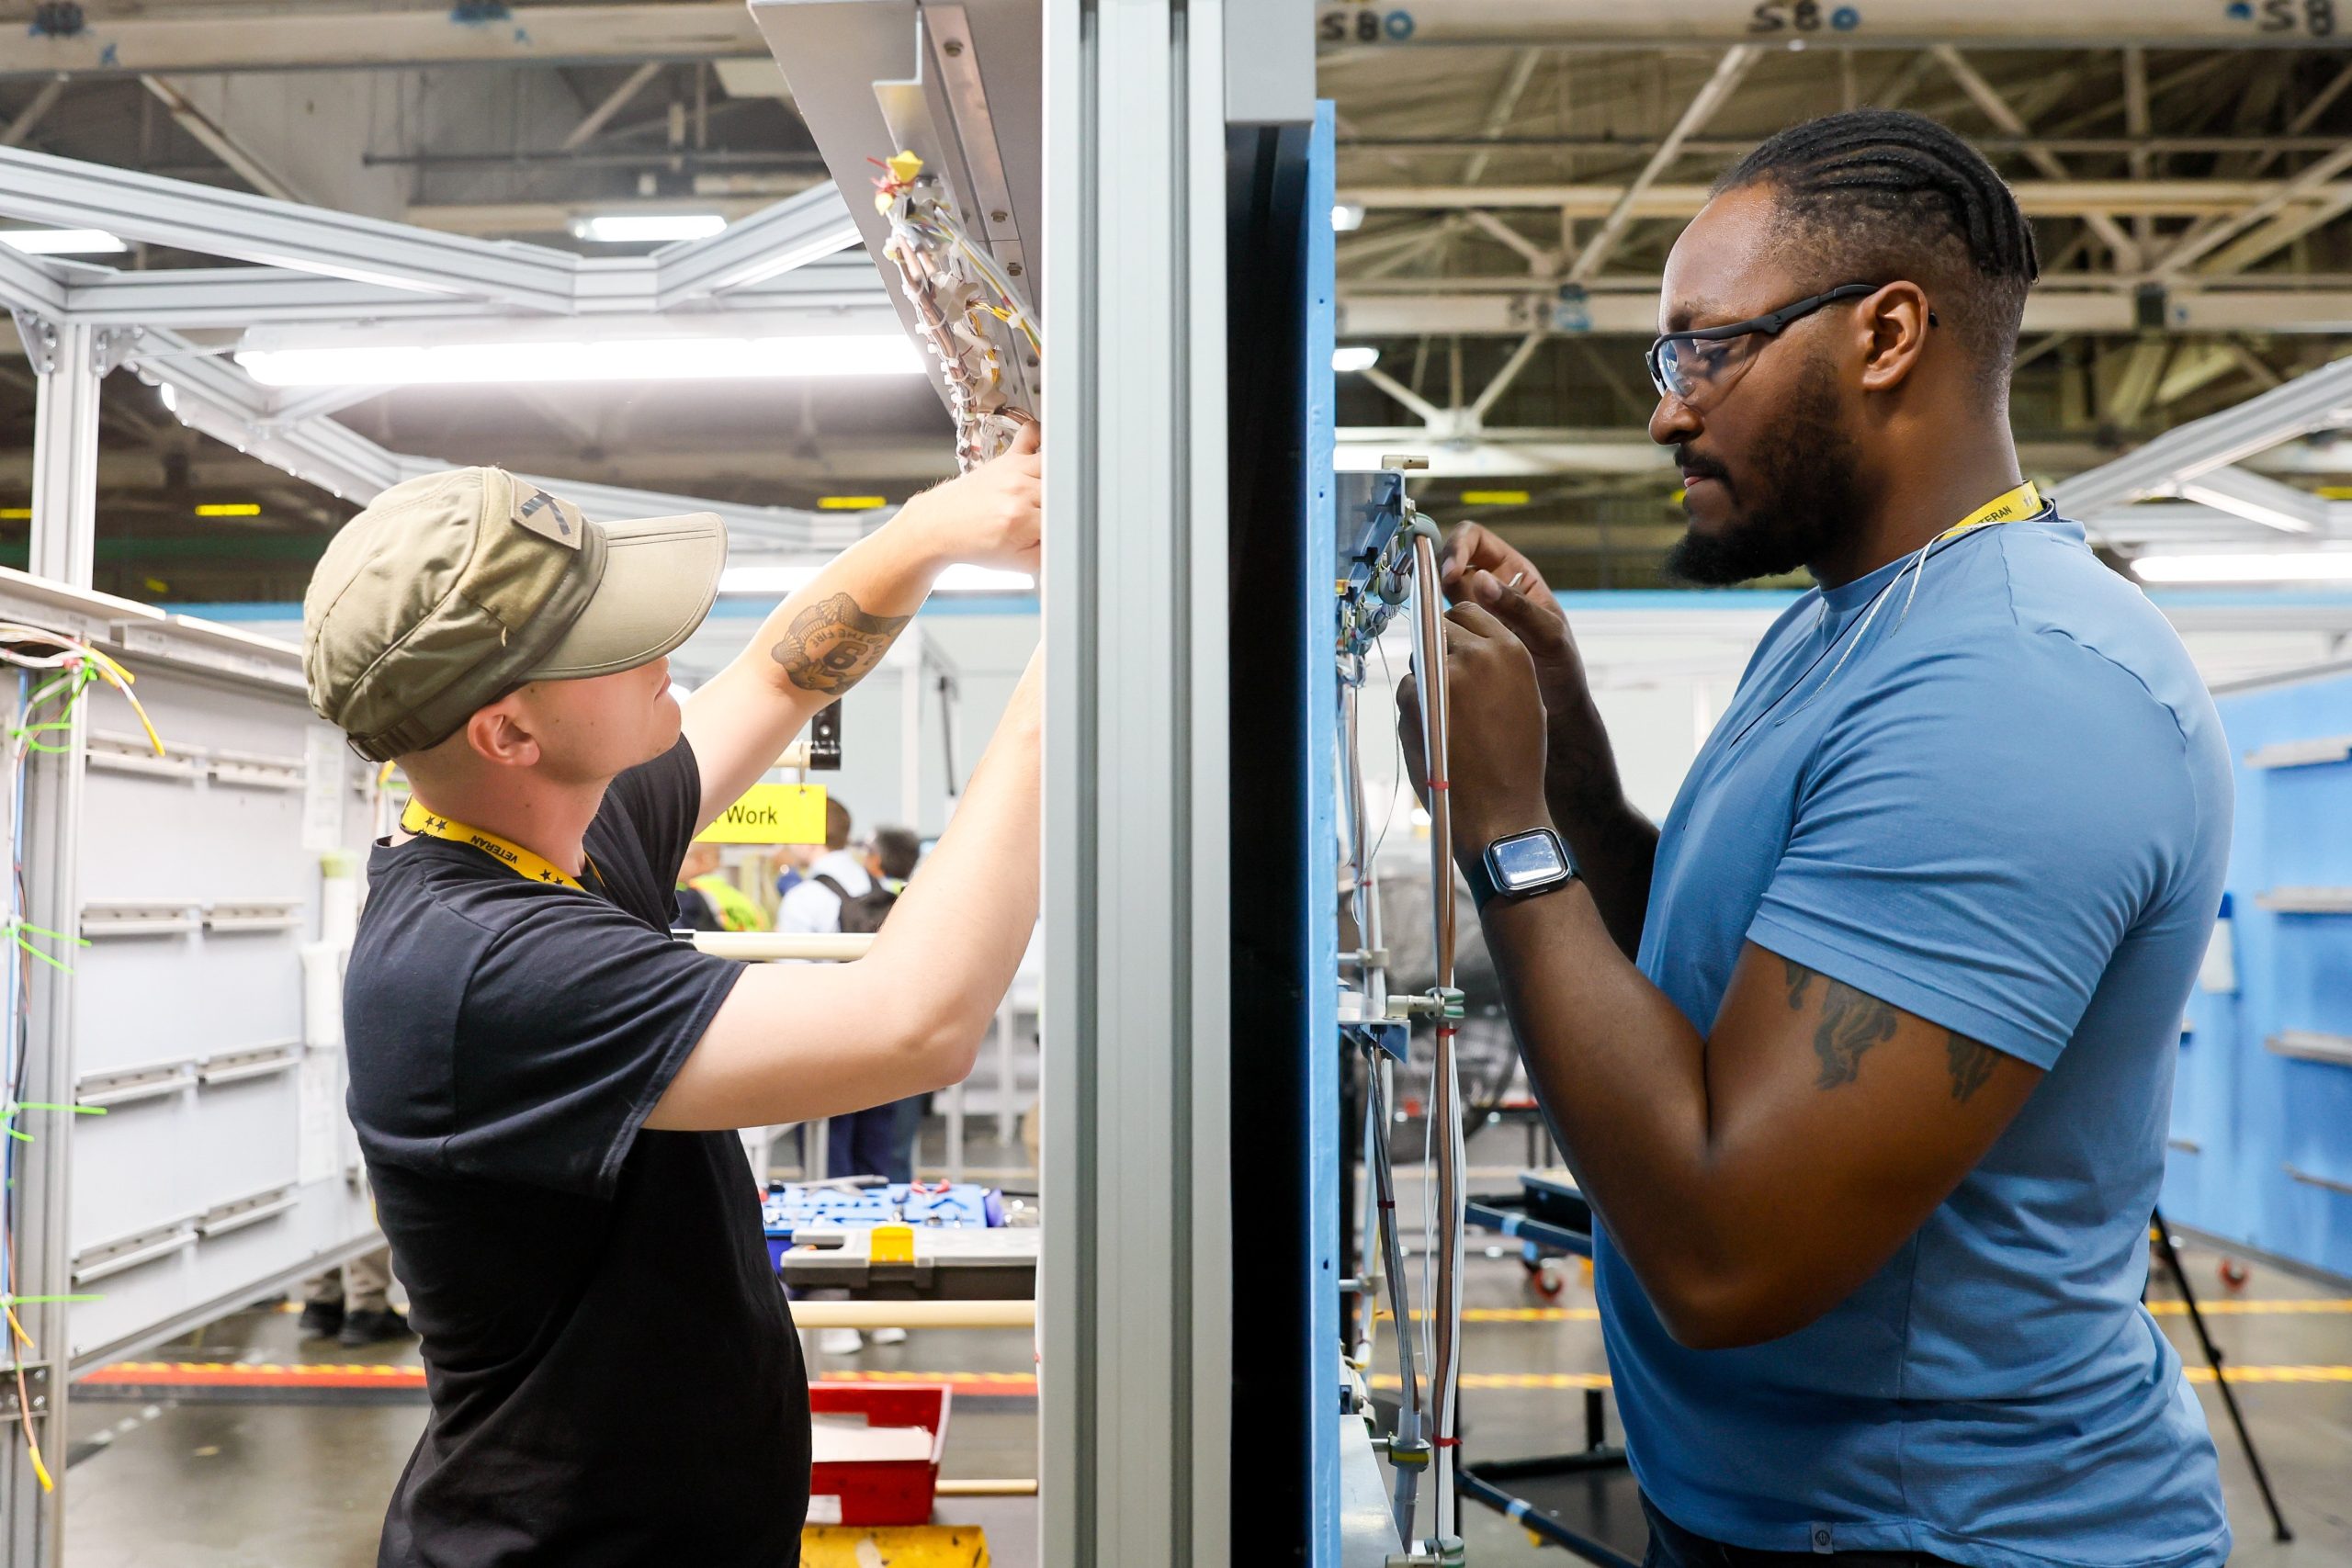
<point x="771" y="814"/>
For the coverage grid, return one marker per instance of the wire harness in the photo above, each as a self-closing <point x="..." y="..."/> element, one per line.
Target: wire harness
<point x="969" y="314"/>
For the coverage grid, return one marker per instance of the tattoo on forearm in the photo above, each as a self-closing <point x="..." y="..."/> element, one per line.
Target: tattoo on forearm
<point x="1971" y="1064"/>
<point x="1851" y="1022"/>
<point x="831" y="646"/>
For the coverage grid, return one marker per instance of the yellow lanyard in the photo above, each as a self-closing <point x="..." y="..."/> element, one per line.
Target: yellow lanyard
<point x="523" y="863"/>
<point x="2007" y="507"/>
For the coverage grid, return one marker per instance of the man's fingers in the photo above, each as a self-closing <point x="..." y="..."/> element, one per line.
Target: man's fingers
<point x="1538" y="624"/>
<point x="1027" y="439"/>
<point x="1470" y="621"/>
<point x="1459" y="552"/>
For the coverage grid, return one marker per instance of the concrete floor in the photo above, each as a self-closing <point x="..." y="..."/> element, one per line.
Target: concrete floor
<point x="302" y="1485"/>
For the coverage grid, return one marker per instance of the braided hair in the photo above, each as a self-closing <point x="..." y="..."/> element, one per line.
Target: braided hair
<point x="1888" y="195"/>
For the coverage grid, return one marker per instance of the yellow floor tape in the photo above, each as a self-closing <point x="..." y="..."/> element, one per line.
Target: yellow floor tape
<point x="2235" y="1307"/>
<point x="2231" y="1307"/>
<point x="893" y="1546"/>
<point x="1600" y="1379"/>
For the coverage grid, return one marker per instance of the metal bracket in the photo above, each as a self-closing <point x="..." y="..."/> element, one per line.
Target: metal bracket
<point x="36" y="1381"/>
<point x="40" y="340"/>
<point x="109" y="346"/>
<point x="1442" y="1001"/>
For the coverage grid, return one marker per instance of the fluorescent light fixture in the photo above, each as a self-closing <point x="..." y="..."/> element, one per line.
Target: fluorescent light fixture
<point x="2274" y="566"/>
<point x="61" y="242"/>
<point x="1357" y="357"/>
<point x="229" y="509"/>
<point x="1347" y="217"/>
<point x="782" y="581"/>
<point x="639" y="228"/>
<point x="169" y="396"/>
<point x="556" y="362"/>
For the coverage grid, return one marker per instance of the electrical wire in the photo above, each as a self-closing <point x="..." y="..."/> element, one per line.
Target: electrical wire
<point x="73" y="667"/>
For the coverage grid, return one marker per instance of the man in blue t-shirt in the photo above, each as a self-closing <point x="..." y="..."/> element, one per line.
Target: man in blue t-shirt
<point x="1864" y="1058"/>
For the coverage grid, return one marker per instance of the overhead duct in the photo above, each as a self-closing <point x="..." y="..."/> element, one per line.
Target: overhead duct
<point x="2085" y="23"/>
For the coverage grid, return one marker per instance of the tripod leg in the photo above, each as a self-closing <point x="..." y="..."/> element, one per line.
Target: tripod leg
<point x="2162" y="1234"/>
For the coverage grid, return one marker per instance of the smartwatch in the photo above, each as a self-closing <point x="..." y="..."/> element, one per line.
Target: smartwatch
<point x="1520" y="867"/>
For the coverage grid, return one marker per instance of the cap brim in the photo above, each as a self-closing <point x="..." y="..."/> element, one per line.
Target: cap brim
<point x="661" y="576"/>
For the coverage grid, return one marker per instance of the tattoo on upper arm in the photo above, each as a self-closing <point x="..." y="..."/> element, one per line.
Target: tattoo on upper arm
<point x="831" y="646"/>
<point x="1970" y="1063"/>
<point x="1851" y="1022"/>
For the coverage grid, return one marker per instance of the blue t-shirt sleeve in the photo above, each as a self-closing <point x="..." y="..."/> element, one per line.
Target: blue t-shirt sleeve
<point x="1978" y="834"/>
<point x="573" y="1023"/>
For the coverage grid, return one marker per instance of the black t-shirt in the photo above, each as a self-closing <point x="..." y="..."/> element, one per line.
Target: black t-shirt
<point x="614" y="1374"/>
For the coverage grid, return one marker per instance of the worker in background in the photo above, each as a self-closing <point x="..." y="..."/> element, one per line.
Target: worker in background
<point x="809" y="905"/>
<point x="352" y="1305"/>
<point x="727" y="906"/>
<point x="546" y="1086"/>
<point x="879" y="1139"/>
<point x="791" y="864"/>
<point x="1864" y="1058"/>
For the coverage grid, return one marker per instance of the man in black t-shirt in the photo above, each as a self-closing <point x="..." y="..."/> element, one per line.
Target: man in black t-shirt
<point x="544" y="1083"/>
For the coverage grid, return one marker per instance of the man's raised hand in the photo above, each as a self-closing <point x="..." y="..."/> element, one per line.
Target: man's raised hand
<point x="992" y="516"/>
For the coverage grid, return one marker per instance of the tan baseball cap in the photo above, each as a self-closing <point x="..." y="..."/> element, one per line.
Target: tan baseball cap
<point x="453" y="589"/>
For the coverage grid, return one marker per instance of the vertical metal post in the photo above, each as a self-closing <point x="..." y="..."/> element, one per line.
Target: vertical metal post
<point x="70" y="358"/>
<point x="67" y="355"/>
<point x="1135" y="1287"/>
<point x="48" y="836"/>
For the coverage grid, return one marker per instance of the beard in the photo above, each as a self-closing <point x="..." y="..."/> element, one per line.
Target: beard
<point x="1799" y="498"/>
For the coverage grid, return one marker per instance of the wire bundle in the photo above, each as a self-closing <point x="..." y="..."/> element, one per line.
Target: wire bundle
<point x="963" y="303"/>
<point x="54" y="673"/>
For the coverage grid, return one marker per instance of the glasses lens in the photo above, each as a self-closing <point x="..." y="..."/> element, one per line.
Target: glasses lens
<point x="1660" y="360"/>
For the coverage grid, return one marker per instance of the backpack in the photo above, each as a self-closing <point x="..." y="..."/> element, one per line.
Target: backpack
<point x="862" y="913"/>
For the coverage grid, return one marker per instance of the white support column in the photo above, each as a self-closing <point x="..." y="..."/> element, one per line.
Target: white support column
<point x="67" y="356"/>
<point x="48" y="838"/>
<point x="1136" y="1286"/>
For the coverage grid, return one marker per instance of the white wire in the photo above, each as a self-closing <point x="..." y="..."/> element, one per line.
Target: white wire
<point x="1396" y="783"/>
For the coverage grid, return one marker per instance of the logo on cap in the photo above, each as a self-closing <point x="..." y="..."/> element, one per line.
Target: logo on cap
<point x="549" y="517"/>
<point x="540" y="498"/>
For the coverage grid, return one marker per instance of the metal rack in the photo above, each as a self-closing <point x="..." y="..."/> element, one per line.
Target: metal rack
<point x="191" y="912"/>
<point x="775" y="271"/>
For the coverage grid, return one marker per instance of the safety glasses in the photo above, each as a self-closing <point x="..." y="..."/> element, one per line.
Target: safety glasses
<point x="1700" y="367"/>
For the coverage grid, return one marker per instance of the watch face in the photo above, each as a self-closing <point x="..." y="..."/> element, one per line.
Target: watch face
<point x="1526" y="861"/>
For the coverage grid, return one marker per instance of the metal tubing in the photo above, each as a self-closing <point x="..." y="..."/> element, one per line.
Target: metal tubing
<point x="1411" y="1422"/>
<point x="914" y="1314"/>
<point x="827" y="947"/>
<point x="1446" y="1309"/>
<point x="1434" y="735"/>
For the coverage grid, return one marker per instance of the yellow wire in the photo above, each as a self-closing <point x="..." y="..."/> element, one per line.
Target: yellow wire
<point x="139" y="708"/>
<point x="19" y="1329"/>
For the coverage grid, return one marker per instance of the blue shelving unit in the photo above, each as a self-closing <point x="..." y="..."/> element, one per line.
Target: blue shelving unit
<point x="2261" y="1144"/>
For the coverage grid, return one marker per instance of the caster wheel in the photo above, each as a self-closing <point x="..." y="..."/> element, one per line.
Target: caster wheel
<point x="1545" y="1279"/>
<point x="2235" y="1274"/>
